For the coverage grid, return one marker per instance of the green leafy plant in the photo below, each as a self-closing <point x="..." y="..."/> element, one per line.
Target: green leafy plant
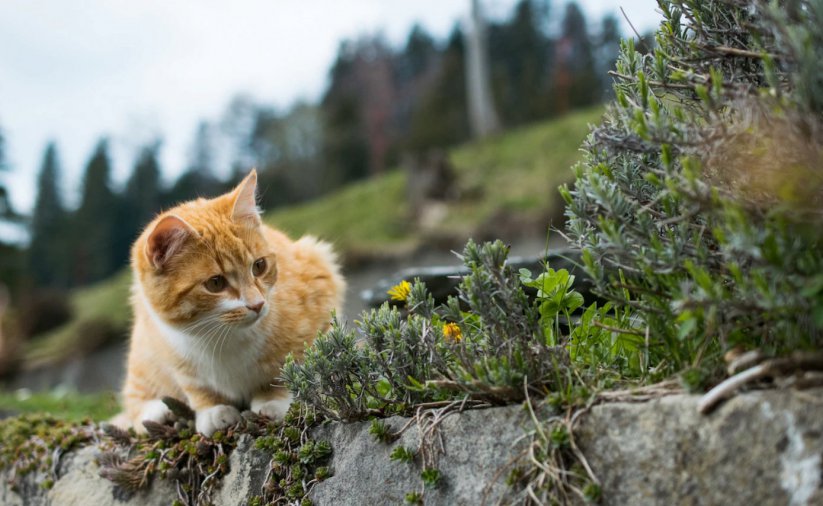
<point x="492" y="344"/>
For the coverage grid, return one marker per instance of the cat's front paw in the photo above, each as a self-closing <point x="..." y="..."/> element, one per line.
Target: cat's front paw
<point x="216" y="418"/>
<point x="153" y="411"/>
<point x="272" y="408"/>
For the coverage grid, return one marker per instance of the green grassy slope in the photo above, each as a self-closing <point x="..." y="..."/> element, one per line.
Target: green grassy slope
<point x="518" y="171"/>
<point x="102" y="305"/>
<point x="68" y="406"/>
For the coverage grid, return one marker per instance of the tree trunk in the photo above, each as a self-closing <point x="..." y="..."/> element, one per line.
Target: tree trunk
<point x="482" y="115"/>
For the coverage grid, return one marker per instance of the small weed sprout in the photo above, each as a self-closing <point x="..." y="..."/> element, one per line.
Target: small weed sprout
<point x="431" y="477"/>
<point x="381" y="431"/>
<point x="414" y="498"/>
<point x="402" y="454"/>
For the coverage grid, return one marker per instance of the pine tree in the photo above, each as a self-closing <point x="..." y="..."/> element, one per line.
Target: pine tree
<point x="141" y="201"/>
<point x="441" y="119"/>
<point x="521" y="62"/>
<point x="418" y="54"/>
<point x="198" y="180"/>
<point x="2" y="150"/>
<point x="287" y="150"/>
<point x="6" y="210"/>
<point x="46" y="257"/>
<point x="12" y="260"/>
<point x="575" y="83"/>
<point x="345" y="145"/>
<point x="415" y="70"/>
<point x="94" y="224"/>
<point x="607" y="49"/>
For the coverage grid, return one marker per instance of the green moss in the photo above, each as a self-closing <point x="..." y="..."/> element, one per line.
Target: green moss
<point x="198" y="463"/>
<point x="402" y="454"/>
<point x="381" y="432"/>
<point x="31" y="442"/>
<point x="414" y="498"/>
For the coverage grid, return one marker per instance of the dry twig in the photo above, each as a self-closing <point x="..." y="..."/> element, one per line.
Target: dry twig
<point x="796" y="363"/>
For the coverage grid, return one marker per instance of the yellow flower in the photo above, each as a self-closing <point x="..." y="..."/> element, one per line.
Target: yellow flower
<point x="400" y="292"/>
<point x="452" y="332"/>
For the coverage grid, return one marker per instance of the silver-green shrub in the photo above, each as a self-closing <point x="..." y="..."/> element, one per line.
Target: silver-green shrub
<point x="699" y="200"/>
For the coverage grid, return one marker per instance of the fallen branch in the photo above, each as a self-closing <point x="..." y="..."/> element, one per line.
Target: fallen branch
<point x="797" y="362"/>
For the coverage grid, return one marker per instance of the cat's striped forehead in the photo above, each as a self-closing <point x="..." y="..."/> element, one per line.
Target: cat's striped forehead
<point x="230" y="244"/>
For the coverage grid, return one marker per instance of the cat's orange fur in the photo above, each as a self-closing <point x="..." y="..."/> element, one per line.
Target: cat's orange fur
<point x="221" y="351"/>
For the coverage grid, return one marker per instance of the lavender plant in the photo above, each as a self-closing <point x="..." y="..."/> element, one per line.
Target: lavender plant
<point x="698" y="202"/>
<point x="488" y="346"/>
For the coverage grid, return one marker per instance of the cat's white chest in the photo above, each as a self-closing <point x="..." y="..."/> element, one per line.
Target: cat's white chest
<point x="228" y="365"/>
<point x="234" y="371"/>
<point x="226" y="360"/>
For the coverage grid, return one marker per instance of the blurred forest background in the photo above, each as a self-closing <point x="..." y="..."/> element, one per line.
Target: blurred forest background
<point x="384" y="107"/>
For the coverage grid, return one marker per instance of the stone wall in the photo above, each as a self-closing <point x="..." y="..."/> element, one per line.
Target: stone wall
<point x="758" y="448"/>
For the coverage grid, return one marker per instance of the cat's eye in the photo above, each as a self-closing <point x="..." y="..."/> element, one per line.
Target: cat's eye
<point x="258" y="267"/>
<point x="216" y="284"/>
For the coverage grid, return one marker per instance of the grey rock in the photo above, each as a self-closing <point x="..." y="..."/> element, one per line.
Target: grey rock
<point x="477" y="448"/>
<point x="247" y="471"/>
<point x="78" y="483"/>
<point x="81" y="484"/>
<point x="758" y="448"/>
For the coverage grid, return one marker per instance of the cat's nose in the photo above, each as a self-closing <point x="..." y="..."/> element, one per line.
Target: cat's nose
<point x="256" y="307"/>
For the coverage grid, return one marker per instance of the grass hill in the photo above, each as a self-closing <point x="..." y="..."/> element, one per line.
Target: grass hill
<point x="516" y="173"/>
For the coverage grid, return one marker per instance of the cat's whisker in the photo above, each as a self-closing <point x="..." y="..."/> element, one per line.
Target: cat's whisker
<point x="212" y="334"/>
<point x="206" y="335"/>
<point x="197" y="332"/>
<point x="192" y="326"/>
<point x="213" y="322"/>
<point x="207" y="332"/>
<point x="225" y="330"/>
<point x="224" y="339"/>
<point x="203" y="332"/>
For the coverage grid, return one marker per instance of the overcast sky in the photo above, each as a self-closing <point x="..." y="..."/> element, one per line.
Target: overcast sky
<point x="75" y="70"/>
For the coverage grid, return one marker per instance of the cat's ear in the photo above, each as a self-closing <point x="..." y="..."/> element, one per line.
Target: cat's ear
<point x="245" y="208"/>
<point x="166" y="240"/>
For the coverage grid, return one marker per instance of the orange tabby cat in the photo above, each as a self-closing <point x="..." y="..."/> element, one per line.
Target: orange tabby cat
<point x="219" y="301"/>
